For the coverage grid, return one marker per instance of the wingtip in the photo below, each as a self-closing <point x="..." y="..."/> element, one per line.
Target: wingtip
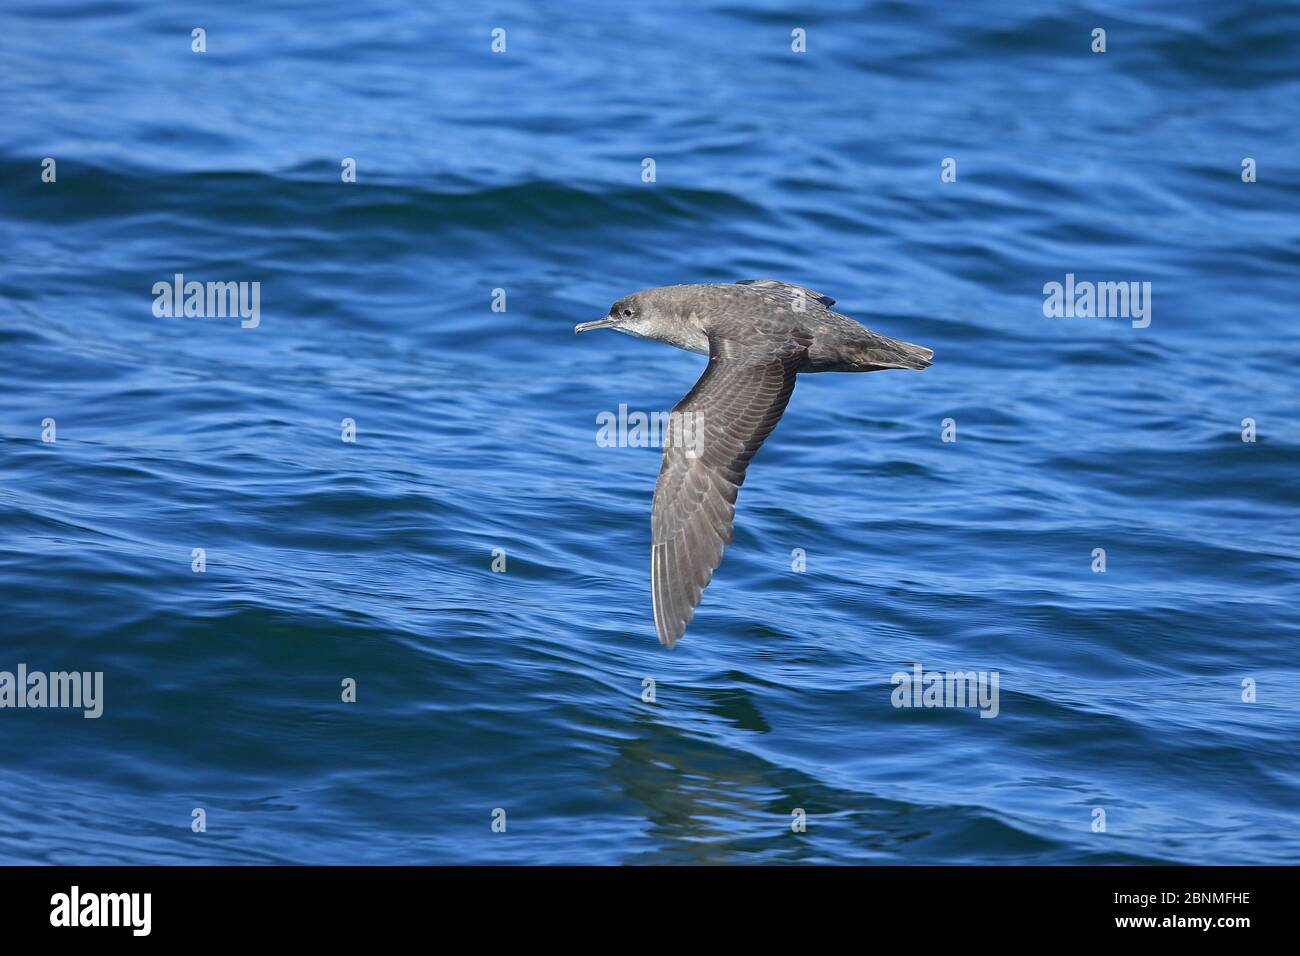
<point x="666" y="637"/>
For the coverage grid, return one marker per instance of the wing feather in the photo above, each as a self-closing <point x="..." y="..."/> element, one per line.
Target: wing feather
<point x="787" y="288"/>
<point x="713" y="433"/>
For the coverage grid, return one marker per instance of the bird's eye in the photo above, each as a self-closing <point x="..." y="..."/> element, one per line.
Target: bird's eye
<point x="627" y="312"/>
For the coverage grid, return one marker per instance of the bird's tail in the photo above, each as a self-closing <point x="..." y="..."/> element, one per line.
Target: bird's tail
<point x="880" y="352"/>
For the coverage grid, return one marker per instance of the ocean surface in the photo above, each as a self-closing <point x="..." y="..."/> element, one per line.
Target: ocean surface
<point x="1147" y="713"/>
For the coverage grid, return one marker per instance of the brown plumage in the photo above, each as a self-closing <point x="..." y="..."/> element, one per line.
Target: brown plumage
<point x="758" y="334"/>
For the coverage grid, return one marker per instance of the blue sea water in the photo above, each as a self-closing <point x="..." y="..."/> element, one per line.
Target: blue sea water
<point x="1161" y="696"/>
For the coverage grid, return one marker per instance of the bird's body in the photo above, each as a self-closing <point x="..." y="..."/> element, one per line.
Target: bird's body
<point x="759" y="334"/>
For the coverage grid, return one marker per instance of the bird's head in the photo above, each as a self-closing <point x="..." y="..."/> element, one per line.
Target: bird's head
<point x="637" y="314"/>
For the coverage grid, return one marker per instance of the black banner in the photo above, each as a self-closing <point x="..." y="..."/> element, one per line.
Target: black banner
<point x="232" y="904"/>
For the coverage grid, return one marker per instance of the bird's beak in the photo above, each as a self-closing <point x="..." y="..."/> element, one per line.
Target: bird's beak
<point x="604" y="323"/>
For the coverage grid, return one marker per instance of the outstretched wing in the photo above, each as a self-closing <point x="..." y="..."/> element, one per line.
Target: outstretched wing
<point x="787" y="289"/>
<point x="712" y="434"/>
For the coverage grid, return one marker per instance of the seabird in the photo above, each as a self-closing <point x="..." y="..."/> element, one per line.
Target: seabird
<point x="758" y="334"/>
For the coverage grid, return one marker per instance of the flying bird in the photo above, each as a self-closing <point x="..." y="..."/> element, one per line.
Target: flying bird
<point x="758" y="334"/>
